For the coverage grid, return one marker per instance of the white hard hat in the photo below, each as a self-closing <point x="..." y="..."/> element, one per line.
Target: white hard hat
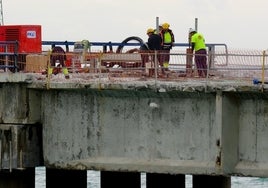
<point x="192" y="30"/>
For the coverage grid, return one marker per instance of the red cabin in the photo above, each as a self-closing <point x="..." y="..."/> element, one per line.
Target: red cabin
<point x="28" y="37"/>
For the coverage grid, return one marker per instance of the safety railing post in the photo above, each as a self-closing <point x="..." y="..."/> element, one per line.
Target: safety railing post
<point x="227" y="55"/>
<point x="16" y="49"/>
<point x="210" y="55"/>
<point x="263" y="67"/>
<point x="155" y="65"/>
<point x="6" y="58"/>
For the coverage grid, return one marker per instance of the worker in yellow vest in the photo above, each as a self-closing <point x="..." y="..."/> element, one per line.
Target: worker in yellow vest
<point x="198" y="46"/>
<point x="57" y="61"/>
<point x="168" y="41"/>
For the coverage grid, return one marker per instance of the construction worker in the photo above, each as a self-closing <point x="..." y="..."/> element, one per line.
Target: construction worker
<point x="167" y="43"/>
<point x="199" y="47"/>
<point x="153" y="43"/>
<point x="57" y="61"/>
<point x="154" y="40"/>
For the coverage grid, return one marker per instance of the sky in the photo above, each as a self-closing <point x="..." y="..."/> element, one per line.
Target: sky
<point x="240" y="24"/>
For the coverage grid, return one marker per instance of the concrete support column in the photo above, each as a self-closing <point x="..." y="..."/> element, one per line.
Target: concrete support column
<point x="120" y="179"/>
<point x="66" y="178"/>
<point x="201" y="181"/>
<point x="18" y="178"/>
<point x="164" y="180"/>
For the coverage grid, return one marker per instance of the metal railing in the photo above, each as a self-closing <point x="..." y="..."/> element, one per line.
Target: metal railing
<point x="235" y="65"/>
<point x="223" y="63"/>
<point x="211" y="47"/>
<point x="9" y="55"/>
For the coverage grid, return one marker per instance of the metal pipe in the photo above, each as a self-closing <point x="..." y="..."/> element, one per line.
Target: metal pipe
<point x="196" y="24"/>
<point x="157" y="25"/>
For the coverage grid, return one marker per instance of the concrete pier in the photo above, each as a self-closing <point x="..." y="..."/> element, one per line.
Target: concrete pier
<point x="200" y="181"/>
<point x="18" y="178"/>
<point x="154" y="180"/>
<point x="120" y="179"/>
<point x="66" y="178"/>
<point x="211" y="130"/>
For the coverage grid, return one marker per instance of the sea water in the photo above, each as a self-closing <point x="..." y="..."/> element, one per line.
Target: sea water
<point x="93" y="180"/>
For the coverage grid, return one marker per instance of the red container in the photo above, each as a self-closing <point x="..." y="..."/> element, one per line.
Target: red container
<point x="28" y="36"/>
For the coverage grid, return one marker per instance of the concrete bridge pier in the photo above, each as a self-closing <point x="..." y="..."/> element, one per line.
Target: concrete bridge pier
<point x="65" y="178"/>
<point x="18" y="178"/>
<point x="154" y="180"/>
<point x="120" y="179"/>
<point x="200" y="181"/>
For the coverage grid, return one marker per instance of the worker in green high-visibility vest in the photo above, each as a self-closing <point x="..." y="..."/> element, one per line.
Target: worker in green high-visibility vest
<point x="168" y="41"/>
<point x="198" y="46"/>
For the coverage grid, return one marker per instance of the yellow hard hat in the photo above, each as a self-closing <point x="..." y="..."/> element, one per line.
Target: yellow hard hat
<point x="150" y="30"/>
<point x="165" y="25"/>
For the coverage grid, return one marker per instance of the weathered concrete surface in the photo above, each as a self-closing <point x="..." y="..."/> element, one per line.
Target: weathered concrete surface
<point x="187" y="126"/>
<point x="20" y="146"/>
<point x="20" y="125"/>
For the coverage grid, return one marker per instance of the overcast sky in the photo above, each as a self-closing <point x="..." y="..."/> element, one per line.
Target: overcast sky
<point x="241" y="24"/>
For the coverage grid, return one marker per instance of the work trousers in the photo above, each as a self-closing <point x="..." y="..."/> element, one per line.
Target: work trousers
<point x="201" y="62"/>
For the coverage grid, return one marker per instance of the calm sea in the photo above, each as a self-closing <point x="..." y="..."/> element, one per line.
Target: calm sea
<point x="93" y="180"/>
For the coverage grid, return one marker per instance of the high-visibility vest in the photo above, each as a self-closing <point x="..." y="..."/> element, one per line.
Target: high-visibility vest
<point x="168" y="39"/>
